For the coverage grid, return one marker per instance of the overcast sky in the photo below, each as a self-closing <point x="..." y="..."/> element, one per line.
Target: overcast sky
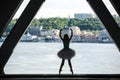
<point x="62" y="8"/>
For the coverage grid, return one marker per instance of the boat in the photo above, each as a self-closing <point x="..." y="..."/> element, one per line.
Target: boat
<point x="28" y="38"/>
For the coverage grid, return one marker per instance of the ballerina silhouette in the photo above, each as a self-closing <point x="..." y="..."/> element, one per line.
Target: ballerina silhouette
<point x="66" y="52"/>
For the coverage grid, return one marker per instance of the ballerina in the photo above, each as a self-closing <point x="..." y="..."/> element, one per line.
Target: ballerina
<point x="66" y="52"/>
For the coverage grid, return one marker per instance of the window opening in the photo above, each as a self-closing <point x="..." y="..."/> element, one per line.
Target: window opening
<point x="13" y="21"/>
<point x="112" y="11"/>
<point x="37" y="54"/>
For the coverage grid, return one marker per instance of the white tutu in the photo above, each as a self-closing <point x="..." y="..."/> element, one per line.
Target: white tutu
<point x="66" y="53"/>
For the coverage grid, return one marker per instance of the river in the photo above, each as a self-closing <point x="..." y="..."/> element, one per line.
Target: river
<point x="41" y="58"/>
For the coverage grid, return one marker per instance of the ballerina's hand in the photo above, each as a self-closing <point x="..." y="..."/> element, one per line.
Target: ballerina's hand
<point x="71" y="29"/>
<point x="60" y="30"/>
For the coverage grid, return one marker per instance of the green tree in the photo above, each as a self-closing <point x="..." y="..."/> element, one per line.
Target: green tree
<point x="34" y="23"/>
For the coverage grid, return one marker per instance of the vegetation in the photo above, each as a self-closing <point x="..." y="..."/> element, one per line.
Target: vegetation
<point x="91" y="24"/>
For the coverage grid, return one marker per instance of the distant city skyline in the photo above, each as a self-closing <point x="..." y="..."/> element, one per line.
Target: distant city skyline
<point x="63" y="8"/>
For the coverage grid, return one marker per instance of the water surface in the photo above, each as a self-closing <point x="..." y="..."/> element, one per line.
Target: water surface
<point x="41" y="58"/>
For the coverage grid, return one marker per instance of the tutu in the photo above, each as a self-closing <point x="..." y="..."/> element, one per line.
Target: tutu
<point x="66" y="53"/>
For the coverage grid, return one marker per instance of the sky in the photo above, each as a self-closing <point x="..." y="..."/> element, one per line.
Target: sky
<point x="62" y="8"/>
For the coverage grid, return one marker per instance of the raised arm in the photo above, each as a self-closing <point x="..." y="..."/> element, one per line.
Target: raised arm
<point x="60" y="34"/>
<point x="71" y="34"/>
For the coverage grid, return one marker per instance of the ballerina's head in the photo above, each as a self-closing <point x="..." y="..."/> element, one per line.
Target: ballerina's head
<point x="66" y="37"/>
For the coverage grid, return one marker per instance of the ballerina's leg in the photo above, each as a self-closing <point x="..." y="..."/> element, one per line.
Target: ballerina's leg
<point x="69" y="62"/>
<point x="63" y="60"/>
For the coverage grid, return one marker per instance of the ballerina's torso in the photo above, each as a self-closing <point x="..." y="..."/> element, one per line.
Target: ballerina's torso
<point x="66" y="45"/>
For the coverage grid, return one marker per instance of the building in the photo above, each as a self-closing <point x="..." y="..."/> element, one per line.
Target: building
<point x="34" y="31"/>
<point x="76" y="34"/>
<point x="55" y="32"/>
<point x="83" y="15"/>
<point x="87" y="36"/>
<point x="76" y="30"/>
<point x="44" y="33"/>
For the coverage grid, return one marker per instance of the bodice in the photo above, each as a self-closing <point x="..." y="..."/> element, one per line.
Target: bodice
<point x="66" y="45"/>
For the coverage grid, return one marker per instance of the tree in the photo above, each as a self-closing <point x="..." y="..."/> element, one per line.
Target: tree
<point x="34" y="23"/>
